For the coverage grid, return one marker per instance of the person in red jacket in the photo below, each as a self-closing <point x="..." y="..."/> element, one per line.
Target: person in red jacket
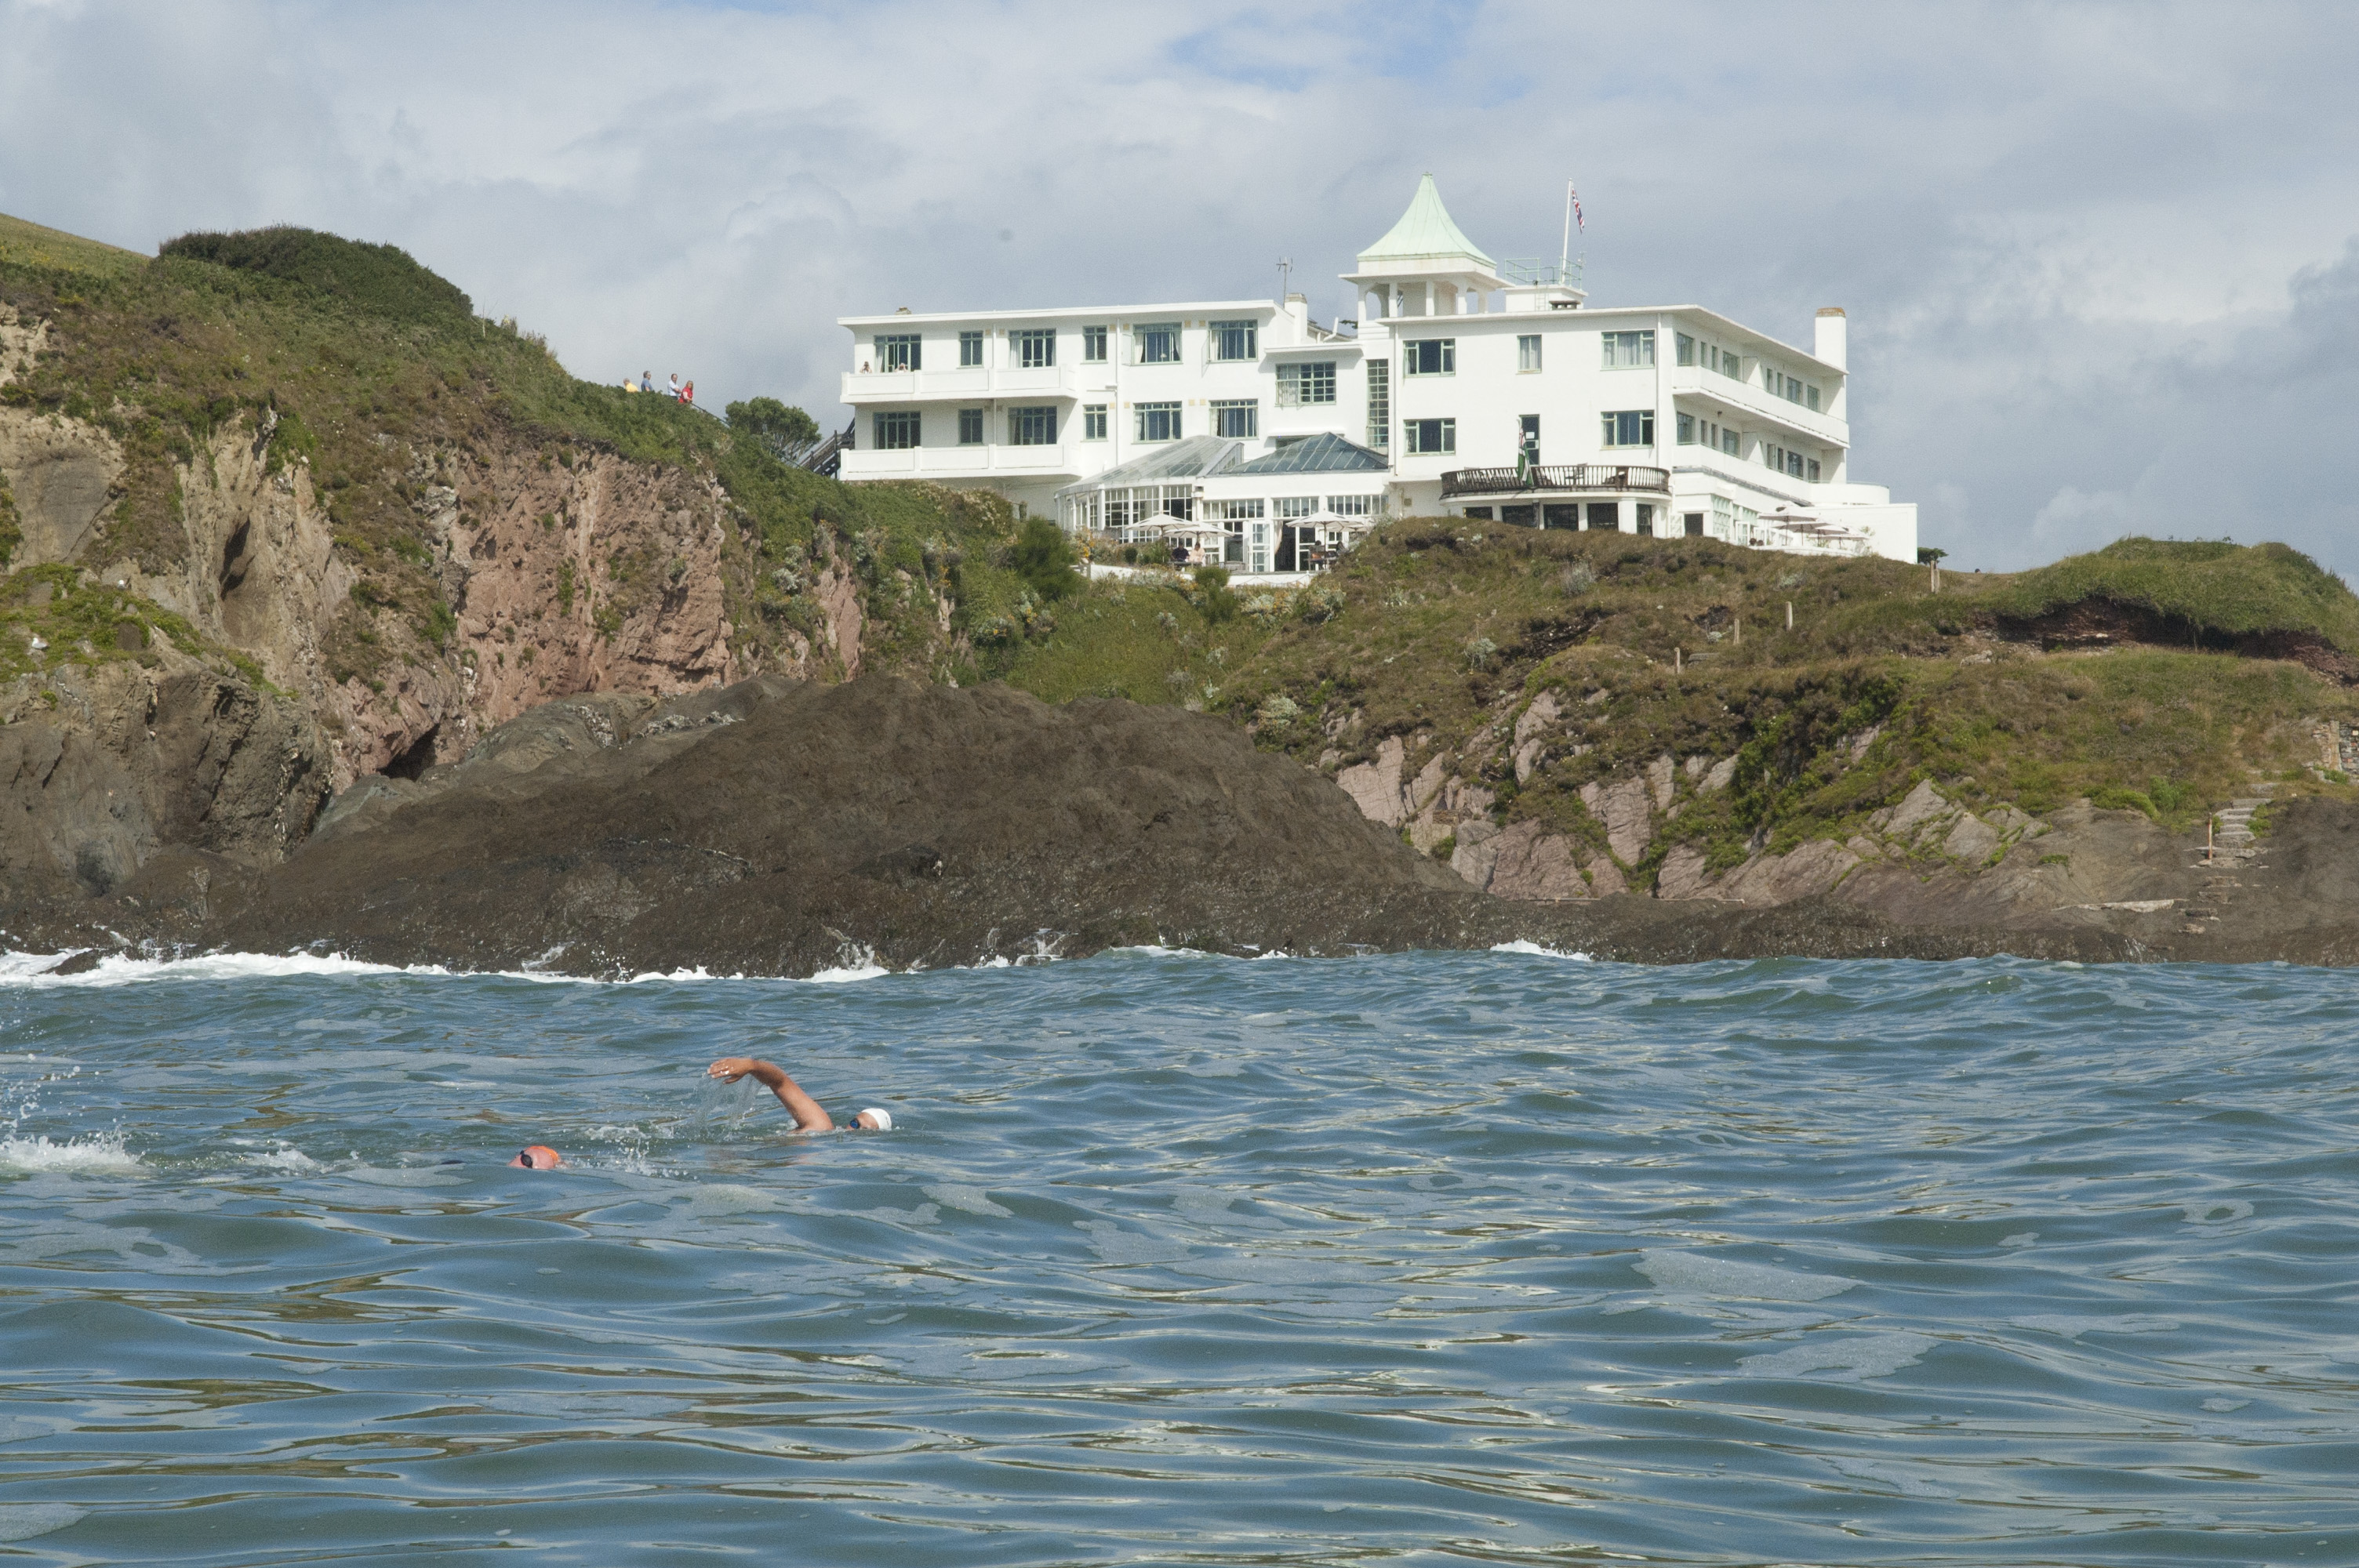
<point x="808" y="1114"/>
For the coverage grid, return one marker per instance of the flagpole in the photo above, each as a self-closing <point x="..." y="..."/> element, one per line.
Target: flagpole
<point x="1564" y="257"/>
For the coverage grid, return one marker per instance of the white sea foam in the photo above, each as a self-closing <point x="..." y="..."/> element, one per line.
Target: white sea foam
<point x="967" y="1200"/>
<point x="1697" y="1275"/>
<point x="1900" y="1480"/>
<point x="1843" y="1360"/>
<point x="100" y="1153"/>
<point x="726" y="1197"/>
<point x="2219" y="1211"/>
<point x="862" y="965"/>
<point x="26" y="970"/>
<point x="2072" y="1326"/>
<point x="403" y="1175"/>
<point x="22" y="1521"/>
<point x="1535" y="950"/>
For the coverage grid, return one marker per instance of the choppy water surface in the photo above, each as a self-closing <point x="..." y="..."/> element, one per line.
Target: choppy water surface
<point x="1492" y="1258"/>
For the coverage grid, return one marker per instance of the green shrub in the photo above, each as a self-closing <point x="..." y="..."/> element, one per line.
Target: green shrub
<point x="383" y="280"/>
<point x="1043" y="556"/>
<point x="1216" y="601"/>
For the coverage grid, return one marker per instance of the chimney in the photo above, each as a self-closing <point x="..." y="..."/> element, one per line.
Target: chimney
<point x="1834" y="333"/>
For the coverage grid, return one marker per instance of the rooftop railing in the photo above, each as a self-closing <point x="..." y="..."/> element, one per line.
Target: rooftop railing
<point x="1617" y="477"/>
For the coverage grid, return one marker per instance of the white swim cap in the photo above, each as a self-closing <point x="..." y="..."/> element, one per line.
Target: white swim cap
<point x="884" y="1117"/>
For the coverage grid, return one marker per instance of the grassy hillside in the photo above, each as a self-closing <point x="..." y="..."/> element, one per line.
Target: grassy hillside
<point x="2153" y="675"/>
<point x="1443" y="632"/>
<point x="363" y="365"/>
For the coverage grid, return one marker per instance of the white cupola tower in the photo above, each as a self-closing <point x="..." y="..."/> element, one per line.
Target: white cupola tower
<point x="1424" y="266"/>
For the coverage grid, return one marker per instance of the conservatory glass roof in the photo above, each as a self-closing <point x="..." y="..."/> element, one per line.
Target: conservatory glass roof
<point x="1324" y="453"/>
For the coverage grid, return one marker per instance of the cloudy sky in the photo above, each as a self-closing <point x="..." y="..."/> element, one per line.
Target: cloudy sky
<point x="2101" y="261"/>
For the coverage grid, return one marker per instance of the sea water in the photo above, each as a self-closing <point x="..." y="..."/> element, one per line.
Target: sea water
<point x="1489" y="1258"/>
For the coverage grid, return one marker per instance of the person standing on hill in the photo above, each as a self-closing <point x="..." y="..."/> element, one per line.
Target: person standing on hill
<point x="688" y="392"/>
<point x="808" y="1116"/>
<point x="675" y="386"/>
<point x="647" y="380"/>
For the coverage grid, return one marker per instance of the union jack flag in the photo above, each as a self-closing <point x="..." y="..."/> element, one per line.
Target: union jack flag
<point x="1577" y="220"/>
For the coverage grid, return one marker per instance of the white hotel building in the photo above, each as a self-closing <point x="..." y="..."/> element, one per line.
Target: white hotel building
<point x="1463" y="388"/>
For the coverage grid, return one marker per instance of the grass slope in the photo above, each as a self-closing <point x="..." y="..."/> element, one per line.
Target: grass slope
<point x="1443" y="632"/>
<point x="359" y="361"/>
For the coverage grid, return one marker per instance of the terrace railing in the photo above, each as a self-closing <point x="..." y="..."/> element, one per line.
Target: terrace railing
<point x="1615" y="476"/>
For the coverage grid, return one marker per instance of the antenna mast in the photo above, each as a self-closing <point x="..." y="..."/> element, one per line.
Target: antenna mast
<point x="1285" y="270"/>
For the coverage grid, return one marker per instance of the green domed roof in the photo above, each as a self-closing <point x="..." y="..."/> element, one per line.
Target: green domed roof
<point x="1424" y="233"/>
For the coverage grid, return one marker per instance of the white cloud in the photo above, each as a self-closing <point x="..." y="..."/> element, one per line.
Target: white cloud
<point x="2094" y="256"/>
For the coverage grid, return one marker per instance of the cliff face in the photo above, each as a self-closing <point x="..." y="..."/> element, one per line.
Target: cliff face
<point x="241" y="519"/>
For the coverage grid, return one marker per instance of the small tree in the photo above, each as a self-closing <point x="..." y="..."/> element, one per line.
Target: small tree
<point x="1927" y="555"/>
<point x="785" y="433"/>
<point x="1219" y="602"/>
<point x="1043" y="557"/>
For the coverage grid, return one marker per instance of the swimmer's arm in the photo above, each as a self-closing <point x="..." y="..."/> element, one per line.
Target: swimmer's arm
<point x="808" y="1116"/>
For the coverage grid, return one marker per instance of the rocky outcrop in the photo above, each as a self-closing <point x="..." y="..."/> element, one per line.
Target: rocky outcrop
<point x="103" y="767"/>
<point x="783" y="827"/>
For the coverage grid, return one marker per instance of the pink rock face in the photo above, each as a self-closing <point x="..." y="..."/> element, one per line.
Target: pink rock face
<point x="1536" y="865"/>
<point x="1375" y="787"/>
<point x="1681" y="875"/>
<point x="1660" y="773"/>
<point x="1815" y="868"/>
<point x="1622" y="806"/>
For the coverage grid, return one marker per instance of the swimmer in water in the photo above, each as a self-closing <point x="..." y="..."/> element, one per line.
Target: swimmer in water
<point x="538" y="1157"/>
<point x="808" y="1116"/>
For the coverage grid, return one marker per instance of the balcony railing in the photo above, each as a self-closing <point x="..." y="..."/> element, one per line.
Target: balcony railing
<point x="1617" y="477"/>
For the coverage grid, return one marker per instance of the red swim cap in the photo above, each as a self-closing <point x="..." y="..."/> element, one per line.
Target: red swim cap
<point x="538" y="1157"/>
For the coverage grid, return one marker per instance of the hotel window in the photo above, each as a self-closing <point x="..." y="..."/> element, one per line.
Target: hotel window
<point x="1527" y="352"/>
<point x="970" y="427"/>
<point x="1035" y="348"/>
<point x="1635" y="427"/>
<point x="1729" y="441"/>
<point x="1727" y="362"/>
<point x="1093" y="345"/>
<point x="1687" y="347"/>
<point x="1813" y="399"/>
<point x="1236" y="417"/>
<point x="1423" y="437"/>
<point x="896" y="432"/>
<point x="1430" y="356"/>
<point x="1158" y="421"/>
<point x="969" y="350"/>
<point x="1301" y="386"/>
<point x="1032" y="427"/>
<point x="1290" y="507"/>
<point x="1813" y="466"/>
<point x="1793" y="465"/>
<point x="1093" y="421"/>
<point x="1234" y="341"/>
<point x="1686" y="430"/>
<point x="1380" y="403"/>
<point x="1354" y="505"/>
<point x="899" y="351"/>
<point x="1158" y="343"/>
<point x="1629" y="351"/>
<point x="1527" y="435"/>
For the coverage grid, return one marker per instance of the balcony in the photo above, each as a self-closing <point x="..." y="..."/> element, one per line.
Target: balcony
<point x="947" y="463"/>
<point x="968" y="383"/>
<point x="1693" y="381"/>
<point x="1619" y="478"/>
